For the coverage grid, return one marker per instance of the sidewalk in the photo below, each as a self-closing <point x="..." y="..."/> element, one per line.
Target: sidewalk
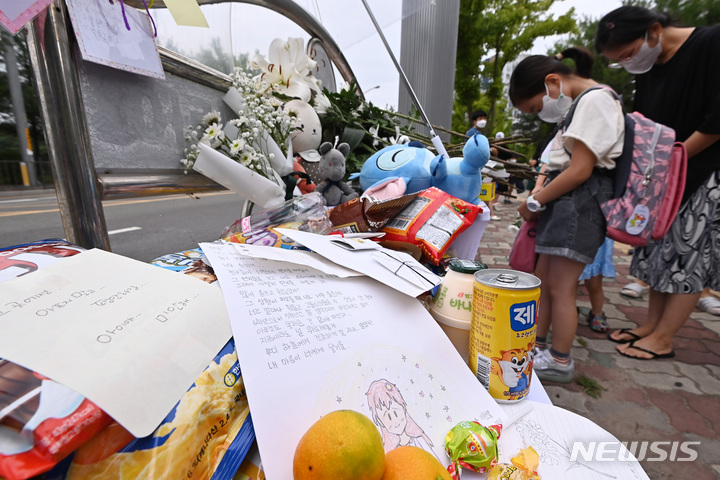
<point x="670" y="400"/>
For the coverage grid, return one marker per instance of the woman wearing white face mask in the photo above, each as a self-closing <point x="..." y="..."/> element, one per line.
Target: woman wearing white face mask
<point x="580" y="162"/>
<point x="678" y="85"/>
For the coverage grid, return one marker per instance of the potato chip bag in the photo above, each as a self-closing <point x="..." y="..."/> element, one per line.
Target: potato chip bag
<point x="432" y="222"/>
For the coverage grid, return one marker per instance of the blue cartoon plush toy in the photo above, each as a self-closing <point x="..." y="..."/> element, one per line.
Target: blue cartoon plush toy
<point x="419" y="168"/>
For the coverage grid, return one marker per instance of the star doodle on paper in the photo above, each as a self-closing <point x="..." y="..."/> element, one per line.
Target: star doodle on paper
<point x="446" y="408"/>
<point x="427" y="415"/>
<point x="430" y="376"/>
<point x="404" y="358"/>
<point x="339" y="399"/>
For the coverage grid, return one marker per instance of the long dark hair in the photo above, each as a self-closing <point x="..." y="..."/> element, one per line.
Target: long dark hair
<point x="528" y="78"/>
<point x="626" y="24"/>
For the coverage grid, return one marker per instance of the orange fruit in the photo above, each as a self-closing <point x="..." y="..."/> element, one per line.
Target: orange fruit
<point x="413" y="463"/>
<point x="342" y="445"/>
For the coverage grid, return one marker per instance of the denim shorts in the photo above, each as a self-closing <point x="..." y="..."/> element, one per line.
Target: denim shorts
<point x="573" y="225"/>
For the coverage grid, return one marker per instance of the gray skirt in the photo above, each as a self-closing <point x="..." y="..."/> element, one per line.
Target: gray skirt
<point x="687" y="259"/>
<point x="573" y="225"/>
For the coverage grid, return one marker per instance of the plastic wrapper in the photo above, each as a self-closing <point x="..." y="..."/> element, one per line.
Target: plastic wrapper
<point x="432" y="221"/>
<point x="522" y="467"/>
<point x="41" y="421"/>
<point x="473" y="447"/>
<point x="306" y="213"/>
<point x="206" y="436"/>
<point x="19" y="260"/>
<point x="366" y="214"/>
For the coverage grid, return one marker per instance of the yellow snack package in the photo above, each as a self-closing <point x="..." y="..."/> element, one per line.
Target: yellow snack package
<point x="206" y="436"/>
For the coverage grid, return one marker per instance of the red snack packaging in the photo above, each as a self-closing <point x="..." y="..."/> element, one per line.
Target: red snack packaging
<point x="432" y="222"/>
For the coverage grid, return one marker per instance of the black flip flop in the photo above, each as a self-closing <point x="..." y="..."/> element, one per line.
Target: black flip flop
<point x="655" y="356"/>
<point x="623" y="331"/>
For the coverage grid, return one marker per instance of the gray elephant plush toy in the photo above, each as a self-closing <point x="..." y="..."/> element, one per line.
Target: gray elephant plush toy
<point x="332" y="171"/>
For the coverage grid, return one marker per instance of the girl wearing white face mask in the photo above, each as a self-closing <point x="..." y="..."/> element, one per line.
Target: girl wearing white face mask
<point x="580" y="163"/>
<point x="678" y="85"/>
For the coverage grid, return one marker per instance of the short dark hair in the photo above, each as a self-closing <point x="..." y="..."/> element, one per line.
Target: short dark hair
<point x="478" y="113"/>
<point x="626" y="24"/>
<point x="528" y="78"/>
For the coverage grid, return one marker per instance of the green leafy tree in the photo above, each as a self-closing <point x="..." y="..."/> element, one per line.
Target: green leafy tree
<point x="500" y="30"/>
<point x="694" y="13"/>
<point x="9" y="143"/>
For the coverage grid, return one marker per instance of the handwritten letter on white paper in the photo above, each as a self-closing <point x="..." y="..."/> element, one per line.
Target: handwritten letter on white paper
<point x="310" y="343"/>
<point x="129" y="336"/>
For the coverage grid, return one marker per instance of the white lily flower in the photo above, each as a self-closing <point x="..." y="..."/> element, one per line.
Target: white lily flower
<point x="374" y="132"/>
<point x="398" y="139"/>
<point x="322" y="103"/>
<point x="288" y="69"/>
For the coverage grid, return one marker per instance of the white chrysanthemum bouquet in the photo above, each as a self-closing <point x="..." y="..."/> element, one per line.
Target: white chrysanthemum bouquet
<point x="245" y="139"/>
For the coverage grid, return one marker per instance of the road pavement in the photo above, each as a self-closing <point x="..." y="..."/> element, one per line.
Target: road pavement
<point x="140" y="228"/>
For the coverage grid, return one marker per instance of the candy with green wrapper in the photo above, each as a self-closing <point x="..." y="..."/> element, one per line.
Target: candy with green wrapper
<point x="473" y="447"/>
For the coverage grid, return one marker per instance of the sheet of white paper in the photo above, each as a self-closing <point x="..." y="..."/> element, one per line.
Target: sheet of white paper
<point x="103" y="37"/>
<point x="362" y="261"/>
<point x="14" y="14"/>
<point x="299" y="257"/>
<point x="129" y="336"/>
<point x="310" y="343"/>
<point x="553" y="431"/>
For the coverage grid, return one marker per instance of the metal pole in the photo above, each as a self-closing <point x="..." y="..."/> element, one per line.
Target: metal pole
<point x="18" y="103"/>
<point x="66" y="132"/>
<point x="436" y="141"/>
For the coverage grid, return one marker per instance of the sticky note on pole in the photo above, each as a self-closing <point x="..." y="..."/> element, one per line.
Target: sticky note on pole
<point x="187" y="13"/>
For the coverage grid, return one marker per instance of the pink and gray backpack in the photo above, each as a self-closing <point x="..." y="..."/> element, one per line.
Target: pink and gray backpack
<point x="649" y="180"/>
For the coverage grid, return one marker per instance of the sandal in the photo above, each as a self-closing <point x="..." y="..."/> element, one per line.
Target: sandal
<point x="709" y="304"/>
<point x="624" y="331"/>
<point x="653" y="355"/>
<point x="634" y="290"/>
<point x="598" y="323"/>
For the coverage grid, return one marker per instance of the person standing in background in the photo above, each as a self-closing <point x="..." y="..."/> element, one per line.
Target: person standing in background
<point x="478" y="121"/>
<point x="677" y="84"/>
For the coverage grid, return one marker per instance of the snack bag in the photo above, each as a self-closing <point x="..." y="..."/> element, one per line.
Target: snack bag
<point x="41" y="421"/>
<point x="206" y="436"/>
<point x="432" y="222"/>
<point x="367" y="214"/>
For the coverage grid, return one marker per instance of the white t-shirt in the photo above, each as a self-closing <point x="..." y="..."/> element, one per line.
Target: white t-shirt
<point x="599" y="123"/>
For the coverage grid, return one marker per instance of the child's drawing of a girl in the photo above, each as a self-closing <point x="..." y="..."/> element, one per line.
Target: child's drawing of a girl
<point x="389" y="412"/>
